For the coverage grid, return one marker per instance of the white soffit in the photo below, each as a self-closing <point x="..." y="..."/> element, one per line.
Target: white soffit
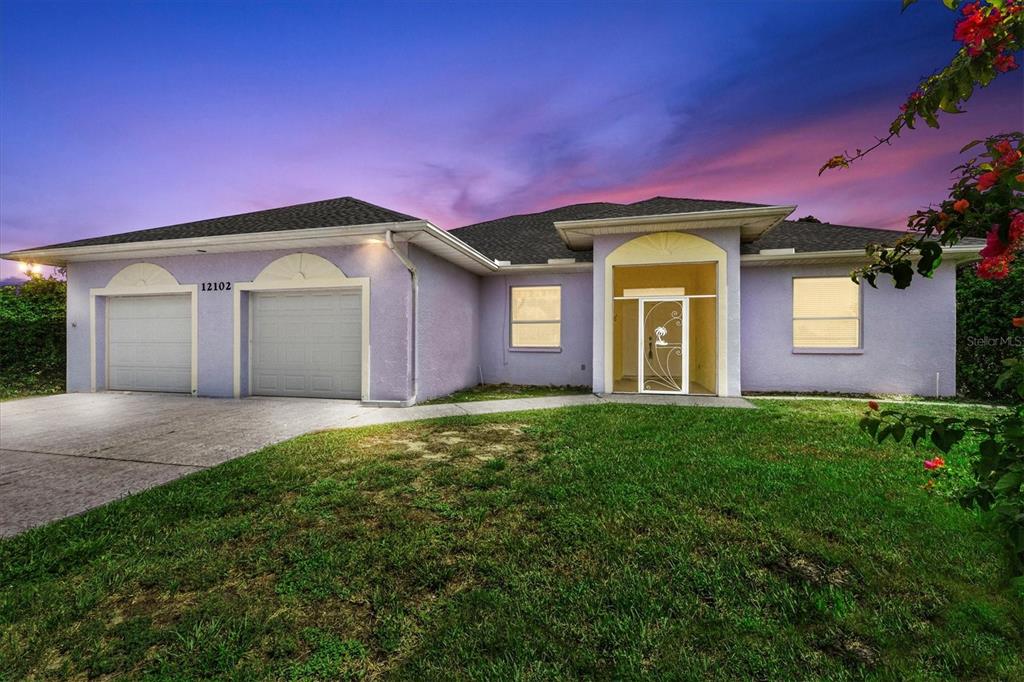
<point x="753" y="222"/>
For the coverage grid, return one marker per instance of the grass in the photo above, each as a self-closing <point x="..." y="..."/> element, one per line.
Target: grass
<point x="611" y="541"/>
<point x="15" y="385"/>
<point x="506" y="392"/>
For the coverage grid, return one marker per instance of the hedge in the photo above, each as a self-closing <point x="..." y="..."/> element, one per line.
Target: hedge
<point x="985" y="334"/>
<point x="33" y="336"/>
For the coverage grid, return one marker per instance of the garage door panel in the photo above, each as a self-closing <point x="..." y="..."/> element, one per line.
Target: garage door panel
<point x="307" y="343"/>
<point x="149" y="343"/>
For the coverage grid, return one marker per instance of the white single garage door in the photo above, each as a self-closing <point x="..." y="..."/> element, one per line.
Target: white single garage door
<point x="307" y="343"/>
<point x="149" y="343"/>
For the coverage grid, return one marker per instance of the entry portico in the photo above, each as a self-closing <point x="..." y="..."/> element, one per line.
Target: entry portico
<point x="666" y="298"/>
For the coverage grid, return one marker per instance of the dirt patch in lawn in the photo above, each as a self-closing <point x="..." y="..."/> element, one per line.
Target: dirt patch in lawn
<point x="464" y="445"/>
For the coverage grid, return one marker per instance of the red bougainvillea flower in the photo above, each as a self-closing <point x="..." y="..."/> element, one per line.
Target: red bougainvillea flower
<point x="961" y="205"/>
<point x="994" y="246"/>
<point x="1018" y="322"/>
<point x="1004" y="62"/>
<point x="987" y="180"/>
<point x="994" y="268"/>
<point x="1016" y="226"/>
<point x="976" y="27"/>
<point x="1008" y="155"/>
<point x="873" y="405"/>
<point x="934" y="463"/>
<point x="914" y="96"/>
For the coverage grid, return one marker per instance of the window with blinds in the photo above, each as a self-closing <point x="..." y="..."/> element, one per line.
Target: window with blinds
<point x="536" y="317"/>
<point x="826" y="312"/>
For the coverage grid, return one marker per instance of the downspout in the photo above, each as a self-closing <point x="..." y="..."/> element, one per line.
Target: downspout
<point x="390" y="241"/>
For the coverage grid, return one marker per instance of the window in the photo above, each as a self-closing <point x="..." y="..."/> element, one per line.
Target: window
<point x="536" y="317"/>
<point x="826" y="312"/>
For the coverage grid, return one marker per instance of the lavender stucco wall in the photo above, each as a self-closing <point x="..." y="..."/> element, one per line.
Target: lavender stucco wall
<point x="448" y="326"/>
<point x="568" y="366"/>
<point x="728" y="238"/>
<point x="390" y="300"/>
<point x="908" y="337"/>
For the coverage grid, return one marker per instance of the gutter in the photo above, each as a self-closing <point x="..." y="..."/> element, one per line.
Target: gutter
<point x="955" y="253"/>
<point x="390" y="241"/>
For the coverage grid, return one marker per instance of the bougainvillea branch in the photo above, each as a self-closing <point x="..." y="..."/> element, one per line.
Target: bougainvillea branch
<point x="989" y="33"/>
<point x="986" y="200"/>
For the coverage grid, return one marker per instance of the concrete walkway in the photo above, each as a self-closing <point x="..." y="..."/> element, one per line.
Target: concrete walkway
<point x="61" y="455"/>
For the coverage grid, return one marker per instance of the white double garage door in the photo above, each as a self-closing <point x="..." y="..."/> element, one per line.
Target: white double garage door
<point x="301" y="343"/>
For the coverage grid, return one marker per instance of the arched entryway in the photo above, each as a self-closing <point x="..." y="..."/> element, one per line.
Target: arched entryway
<point x="665" y="320"/>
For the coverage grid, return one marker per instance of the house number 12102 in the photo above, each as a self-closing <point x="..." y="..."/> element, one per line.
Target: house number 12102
<point x="216" y="286"/>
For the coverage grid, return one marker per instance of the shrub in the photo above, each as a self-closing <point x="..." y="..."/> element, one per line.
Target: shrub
<point x="985" y="334"/>
<point x="33" y="336"/>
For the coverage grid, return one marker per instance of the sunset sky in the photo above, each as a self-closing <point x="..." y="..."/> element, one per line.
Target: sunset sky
<point x="119" y="116"/>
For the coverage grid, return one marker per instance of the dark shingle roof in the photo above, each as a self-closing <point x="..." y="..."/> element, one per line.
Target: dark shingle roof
<point x="326" y="213"/>
<point x="808" y="236"/>
<point x="532" y="238"/>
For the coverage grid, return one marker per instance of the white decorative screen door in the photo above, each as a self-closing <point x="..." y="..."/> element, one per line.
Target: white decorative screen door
<point x="664" y="329"/>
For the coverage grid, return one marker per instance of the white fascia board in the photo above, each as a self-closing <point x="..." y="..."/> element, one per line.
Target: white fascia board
<point x="579" y="234"/>
<point x="457" y="244"/>
<point x="955" y="253"/>
<point x="250" y="241"/>
<point x="247" y="241"/>
<point x="552" y="268"/>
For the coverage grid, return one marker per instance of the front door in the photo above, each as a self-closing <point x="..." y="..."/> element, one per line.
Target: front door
<point x="663" y="333"/>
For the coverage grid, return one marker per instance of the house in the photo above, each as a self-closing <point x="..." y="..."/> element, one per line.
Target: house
<point x="345" y="299"/>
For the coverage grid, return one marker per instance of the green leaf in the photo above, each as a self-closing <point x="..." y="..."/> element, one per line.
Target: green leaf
<point x="989" y="448"/>
<point x="931" y="257"/>
<point x="1008" y="482"/>
<point x="969" y="145"/>
<point x="908" y="3"/>
<point x="902" y="274"/>
<point x="965" y="88"/>
<point x="948" y="101"/>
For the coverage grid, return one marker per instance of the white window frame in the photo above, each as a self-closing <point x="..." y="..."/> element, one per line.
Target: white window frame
<point x="838" y="350"/>
<point x="512" y="323"/>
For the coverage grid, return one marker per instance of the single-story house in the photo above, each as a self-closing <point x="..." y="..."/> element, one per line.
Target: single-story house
<point x="345" y="299"/>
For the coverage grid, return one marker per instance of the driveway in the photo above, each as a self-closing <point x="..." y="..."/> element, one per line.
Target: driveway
<point x="61" y="455"/>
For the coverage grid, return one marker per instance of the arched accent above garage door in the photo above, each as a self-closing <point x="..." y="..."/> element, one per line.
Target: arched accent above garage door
<point x="134" y="285"/>
<point x="308" y="273"/>
<point x="301" y="267"/>
<point x="142" y="276"/>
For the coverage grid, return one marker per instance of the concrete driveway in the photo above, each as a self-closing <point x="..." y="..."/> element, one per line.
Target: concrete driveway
<point x="61" y="455"/>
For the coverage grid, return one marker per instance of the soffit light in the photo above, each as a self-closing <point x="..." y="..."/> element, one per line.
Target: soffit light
<point x="30" y="268"/>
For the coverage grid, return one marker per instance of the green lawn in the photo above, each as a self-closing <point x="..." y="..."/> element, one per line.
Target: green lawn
<point x="506" y="392"/>
<point x="611" y="541"/>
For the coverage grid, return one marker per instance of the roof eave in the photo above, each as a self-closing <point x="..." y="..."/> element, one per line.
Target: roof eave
<point x="959" y="254"/>
<point x="753" y="222"/>
<point x="447" y="246"/>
